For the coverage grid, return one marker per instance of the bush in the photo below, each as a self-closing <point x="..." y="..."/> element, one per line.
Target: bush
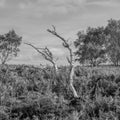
<point x="27" y="92"/>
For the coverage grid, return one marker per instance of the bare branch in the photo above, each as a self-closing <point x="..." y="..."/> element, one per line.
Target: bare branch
<point x="54" y="28"/>
<point x="48" y="53"/>
<point x="68" y="60"/>
<point x="56" y="59"/>
<point x="42" y="53"/>
<point x="65" y="43"/>
<point x="45" y="52"/>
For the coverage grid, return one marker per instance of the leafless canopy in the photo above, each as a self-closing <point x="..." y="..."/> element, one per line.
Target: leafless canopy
<point x="65" y="44"/>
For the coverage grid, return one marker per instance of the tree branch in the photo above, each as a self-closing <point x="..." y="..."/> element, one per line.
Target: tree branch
<point x="65" y="44"/>
<point x="46" y="53"/>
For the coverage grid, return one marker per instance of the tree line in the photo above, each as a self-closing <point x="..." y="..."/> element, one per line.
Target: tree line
<point x="94" y="46"/>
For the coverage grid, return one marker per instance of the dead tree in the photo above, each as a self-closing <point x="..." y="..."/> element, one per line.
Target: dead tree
<point x="70" y="59"/>
<point x="47" y="55"/>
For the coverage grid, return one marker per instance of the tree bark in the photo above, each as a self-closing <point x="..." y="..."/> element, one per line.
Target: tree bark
<point x="71" y="82"/>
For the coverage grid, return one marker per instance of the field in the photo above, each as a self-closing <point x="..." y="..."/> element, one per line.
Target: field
<point x="35" y="93"/>
<point x="107" y="69"/>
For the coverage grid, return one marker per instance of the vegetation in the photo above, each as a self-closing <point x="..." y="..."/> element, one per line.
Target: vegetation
<point x="27" y="93"/>
<point x="112" y="31"/>
<point x="63" y="92"/>
<point x="98" y="45"/>
<point x="91" y="46"/>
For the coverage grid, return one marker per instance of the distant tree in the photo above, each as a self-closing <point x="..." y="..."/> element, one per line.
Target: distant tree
<point x="90" y="46"/>
<point x="112" y="31"/>
<point x="9" y="44"/>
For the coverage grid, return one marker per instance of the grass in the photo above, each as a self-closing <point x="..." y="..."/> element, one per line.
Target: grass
<point x="106" y="69"/>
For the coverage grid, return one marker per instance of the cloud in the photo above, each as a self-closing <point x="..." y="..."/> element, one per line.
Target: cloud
<point x="49" y="7"/>
<point x="57" y="52"/>
<point x="2" y="3"/>
<point x="22" y="6"/>
<point x="105" y="3"/>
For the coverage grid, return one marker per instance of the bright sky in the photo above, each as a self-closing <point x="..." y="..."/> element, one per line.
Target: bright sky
<point x="31" y="18"/>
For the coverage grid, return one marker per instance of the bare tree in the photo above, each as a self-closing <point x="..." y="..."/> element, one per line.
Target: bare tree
<point x="47" y="55"/>
<point x="70" y="59"/>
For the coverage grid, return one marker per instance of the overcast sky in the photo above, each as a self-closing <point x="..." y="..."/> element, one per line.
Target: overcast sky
<point x="31" y="18"/>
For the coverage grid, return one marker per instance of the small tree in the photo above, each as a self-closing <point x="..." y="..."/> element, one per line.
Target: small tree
<point x="9" y="44"/>
<point x="69" y="59"/>
<point x="90" y="46"/>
